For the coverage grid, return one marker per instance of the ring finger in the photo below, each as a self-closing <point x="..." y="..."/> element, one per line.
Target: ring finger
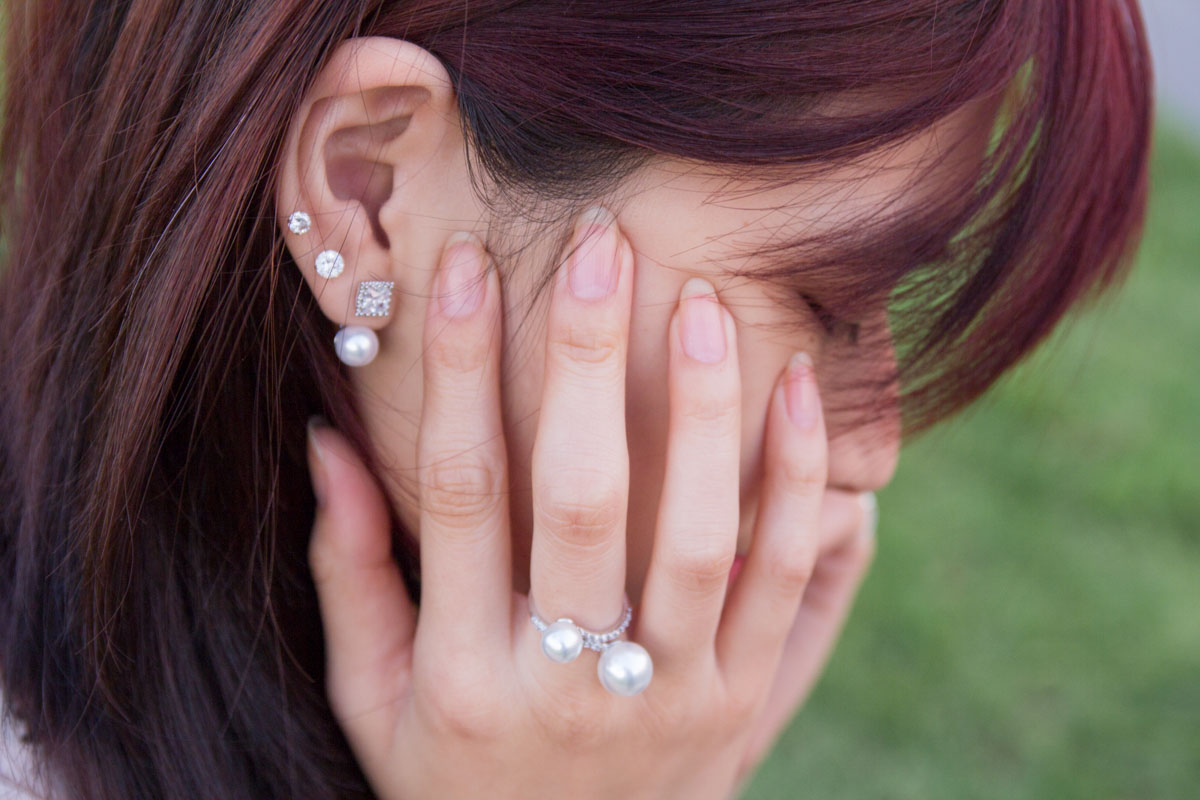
<point x="786" y="537"/>
<point x="580" y="465"/>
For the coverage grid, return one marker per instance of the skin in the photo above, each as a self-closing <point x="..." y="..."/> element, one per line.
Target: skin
<point x="573" y="458"/>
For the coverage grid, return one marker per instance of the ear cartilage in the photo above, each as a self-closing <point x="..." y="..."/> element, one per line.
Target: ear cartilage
<point x="374" y="299"/>
<point x="299" y="222"/>
<point x="330" y="263"/>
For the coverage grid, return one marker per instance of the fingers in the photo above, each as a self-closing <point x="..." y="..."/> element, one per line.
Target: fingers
<point x="847" y="551"/>
<point x="580" y="462"/>
<point x="696" y="534"/>
<point x="466" y="585"/>
<point x="837" y="575"/>
<point x="846" y="518"/>
<point x="366" y="614"/>
<point x="767" y="591"/>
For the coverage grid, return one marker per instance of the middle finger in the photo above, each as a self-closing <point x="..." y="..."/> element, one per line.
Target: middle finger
<point x="580" y="466"/>
<point x="696" y="534"/>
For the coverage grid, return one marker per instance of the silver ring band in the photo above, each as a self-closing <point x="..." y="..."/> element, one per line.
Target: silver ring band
<point x="591" y="640"/>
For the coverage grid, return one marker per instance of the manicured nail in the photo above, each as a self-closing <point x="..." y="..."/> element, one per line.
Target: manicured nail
<point x="701" y="328"/>
<point x="593" y="270"/>
<point x="801" y="391"/>
<point x="462" y="281"/>
<point x="316" y="461"/>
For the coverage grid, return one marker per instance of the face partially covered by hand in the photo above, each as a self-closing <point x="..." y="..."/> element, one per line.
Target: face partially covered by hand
<point x="460" y="696"/>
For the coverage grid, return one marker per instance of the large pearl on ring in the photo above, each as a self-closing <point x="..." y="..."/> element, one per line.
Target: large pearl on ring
<point x="561" y="641"/>
<point x="625" y="668"/>
<point x="356" y="345"/>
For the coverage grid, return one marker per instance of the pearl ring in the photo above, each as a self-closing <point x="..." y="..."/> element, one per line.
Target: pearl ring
<point x="625" y="668"/>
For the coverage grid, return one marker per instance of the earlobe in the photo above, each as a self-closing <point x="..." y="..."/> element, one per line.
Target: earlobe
<point x="378" y="125"/>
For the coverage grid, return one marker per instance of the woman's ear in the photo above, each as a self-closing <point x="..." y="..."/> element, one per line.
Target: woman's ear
<point x="375" y="160"/>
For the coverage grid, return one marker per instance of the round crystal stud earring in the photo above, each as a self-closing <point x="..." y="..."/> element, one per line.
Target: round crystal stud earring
<point x="330" y="264"/>
<point x="299" y="223"/>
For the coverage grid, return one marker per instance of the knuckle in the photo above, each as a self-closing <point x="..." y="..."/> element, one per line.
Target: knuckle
<point x="742" y="707"/>
<point x="705" y="567"/>
<point x="461" y="490"/>
<point x="665" y="715"/>
<point x="456" y="355"/>
<point x="803" y="474"/>
<point x="791" y="570"/>
<point x="460" y="707"/>
<point x="581" y="506"/>
<point x="716" y="413"/>
<point x="582" y="348"/>
<point x="574" y="724"/>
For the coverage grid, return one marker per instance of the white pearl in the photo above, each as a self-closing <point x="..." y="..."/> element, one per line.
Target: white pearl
<point x="561" y="641"/>
<point x="356" y="345"/>
<point x="330" y="264"/>
<point x="625" y="668"/>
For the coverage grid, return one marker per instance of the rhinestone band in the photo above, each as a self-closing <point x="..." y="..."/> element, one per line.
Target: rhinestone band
<point x="591" y="640"/>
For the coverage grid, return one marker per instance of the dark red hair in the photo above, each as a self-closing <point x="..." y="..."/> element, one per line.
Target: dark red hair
<point x="158" y="628"/>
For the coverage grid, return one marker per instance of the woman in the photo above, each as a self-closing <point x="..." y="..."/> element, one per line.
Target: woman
<point x="587" y="267"/>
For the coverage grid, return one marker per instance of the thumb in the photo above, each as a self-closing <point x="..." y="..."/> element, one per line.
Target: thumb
<point x="367" y="616"/>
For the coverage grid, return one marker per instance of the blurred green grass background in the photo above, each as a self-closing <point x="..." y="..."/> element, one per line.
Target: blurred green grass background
<point x="1031" y="626"/>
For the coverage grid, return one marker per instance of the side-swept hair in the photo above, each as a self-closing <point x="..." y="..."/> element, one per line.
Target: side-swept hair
<point x="159" y="634"/>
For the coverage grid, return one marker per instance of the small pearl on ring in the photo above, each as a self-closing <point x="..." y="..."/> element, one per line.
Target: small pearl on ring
<point x="562" y="641"/>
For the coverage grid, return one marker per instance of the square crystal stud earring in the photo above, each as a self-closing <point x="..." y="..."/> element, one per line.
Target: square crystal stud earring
<point x="374" y="299"/>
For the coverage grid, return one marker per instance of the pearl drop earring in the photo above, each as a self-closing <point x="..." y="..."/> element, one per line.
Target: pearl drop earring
<point x="356" y="345"/>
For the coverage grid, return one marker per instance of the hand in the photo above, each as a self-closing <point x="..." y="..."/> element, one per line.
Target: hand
<point x="460" y="701"/>
<point x="846" y="550"/>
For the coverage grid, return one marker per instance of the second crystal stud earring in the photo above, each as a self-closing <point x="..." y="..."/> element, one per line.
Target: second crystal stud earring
<point x="330" y="264"/>
<point x="299" y="222"/>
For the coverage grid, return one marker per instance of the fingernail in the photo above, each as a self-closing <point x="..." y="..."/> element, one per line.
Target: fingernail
<point x="316" y="461"/>
<point x="592" y="273"/>
<point x="701" y="329"/>
<point x="462" y="282"/>
<point x="801" y="391"/>
<point x="871" y="511"/>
